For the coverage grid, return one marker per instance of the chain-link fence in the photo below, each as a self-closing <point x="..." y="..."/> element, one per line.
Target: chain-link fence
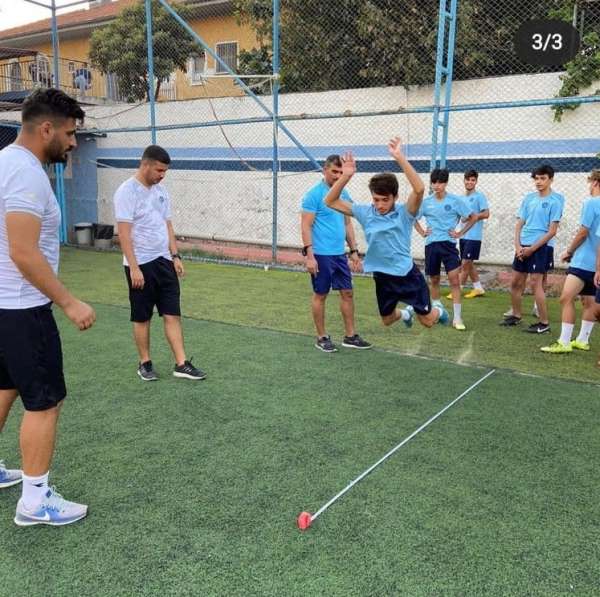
<point x="333" y="77"/>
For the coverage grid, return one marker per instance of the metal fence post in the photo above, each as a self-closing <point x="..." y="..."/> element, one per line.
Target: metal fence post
<point x="151" y="97"/>
<point x="275" y="124"/>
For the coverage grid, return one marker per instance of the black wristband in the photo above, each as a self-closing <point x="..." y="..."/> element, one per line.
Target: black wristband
<point x="353" y="251"/>
<point x="176" y="256"/>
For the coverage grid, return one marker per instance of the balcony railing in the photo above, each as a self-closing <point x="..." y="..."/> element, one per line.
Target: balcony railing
<point x="76" y="78"/>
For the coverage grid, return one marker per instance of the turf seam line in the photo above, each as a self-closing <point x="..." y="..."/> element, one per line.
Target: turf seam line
<point x="397" y="447"/>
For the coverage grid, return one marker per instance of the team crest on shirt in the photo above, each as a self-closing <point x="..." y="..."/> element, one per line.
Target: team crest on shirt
<point x="161" y="199"/>
<point x="447" y="207"/>
<point x="545" y="204"/>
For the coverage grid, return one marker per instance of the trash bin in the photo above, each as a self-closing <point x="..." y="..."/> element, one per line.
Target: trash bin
<point x="103" y="235"/>
<point x="83" y="233"/>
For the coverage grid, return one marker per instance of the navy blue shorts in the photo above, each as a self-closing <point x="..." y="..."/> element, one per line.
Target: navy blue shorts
<point x="598" y="296"/>
<point x="469" y="249"/>
<point x="550" y="257"/>
<point x="587" y="278"/>
<point x="537" y="263"/>
<point x="334" y="274"/>
<point x="31" y="360"/>
<point x="411" y="289"/>
<point x="441" y="252"/>
<point x="161" y="289"/>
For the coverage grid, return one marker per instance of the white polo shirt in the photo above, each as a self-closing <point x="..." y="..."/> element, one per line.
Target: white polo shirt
<point x="148" y="210"/>
<point x="25" y="188"/>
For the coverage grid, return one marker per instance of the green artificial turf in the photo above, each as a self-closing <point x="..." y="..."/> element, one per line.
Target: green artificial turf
<point x="280" y="300"/>
<point x="194" y="487"/>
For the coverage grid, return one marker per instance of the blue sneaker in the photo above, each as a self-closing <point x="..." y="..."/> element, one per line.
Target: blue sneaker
<point x="409" y="322"/>
<point x="9" y="477"/>
<point x="444" y="318"/>
<point x="54" y="510"/>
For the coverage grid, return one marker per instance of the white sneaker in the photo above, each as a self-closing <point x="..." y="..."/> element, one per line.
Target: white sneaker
<point x="9" y="477"/>
<point x="54" y="510"/>
<point x="508" y="313"/>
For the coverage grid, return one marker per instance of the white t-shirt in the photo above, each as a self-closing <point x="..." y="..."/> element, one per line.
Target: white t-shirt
<point x="148" y="210"/>
<point x="25" y="188"/>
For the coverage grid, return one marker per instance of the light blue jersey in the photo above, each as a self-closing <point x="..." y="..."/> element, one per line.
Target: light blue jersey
<point x="388" y="238"/>
<point x="442" y="216"/>
<point x="477" y="202"/>
<point x="329" y="229"/>
<point x="538" y="213"/>
<point x="585" y="255"/>
<point x="561" y="199"/>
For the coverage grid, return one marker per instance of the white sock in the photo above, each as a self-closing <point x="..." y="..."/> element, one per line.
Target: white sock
<point x="34" y="490"/>
<point x="477" y="285"/>
<point x="457" y="311"/>
<point x="566" y="331"/>
<point x="585" y="331"/>
<point x="404" y="315"/>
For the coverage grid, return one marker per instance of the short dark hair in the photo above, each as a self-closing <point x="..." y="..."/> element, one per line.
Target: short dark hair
<point x="333" y="160"/>
<point x="156" y="153"/>
<point x="543" y="170"/>
<point x="471" y="174"/>
<point x="50" y="104"/>
<point x="385" y="183"/>
<point x="439" y="175"/>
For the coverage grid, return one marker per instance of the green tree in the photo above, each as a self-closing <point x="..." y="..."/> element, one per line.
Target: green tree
<point x="366" y="43"/>
<point x="120" y="48"/>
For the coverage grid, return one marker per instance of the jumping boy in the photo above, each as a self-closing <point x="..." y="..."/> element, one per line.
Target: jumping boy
<point x="388" y="229"/>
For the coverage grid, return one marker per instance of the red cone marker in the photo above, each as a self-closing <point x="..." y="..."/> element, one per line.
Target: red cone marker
<point x="304" y="520"/>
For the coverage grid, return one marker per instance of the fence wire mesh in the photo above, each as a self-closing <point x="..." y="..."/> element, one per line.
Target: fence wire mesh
<point x="353" y="73"/>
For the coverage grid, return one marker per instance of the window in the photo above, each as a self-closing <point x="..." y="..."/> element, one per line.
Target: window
<point x="71" y="67"/>
<point x="15" y="81"/>
<point x="228" y="53"/>
<point x="196" y="67"/>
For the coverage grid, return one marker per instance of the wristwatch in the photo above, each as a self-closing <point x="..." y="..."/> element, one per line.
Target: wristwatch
<point x="176" y="256"/>
<point x="353" y="251"/>
<point x="305" y="250"/>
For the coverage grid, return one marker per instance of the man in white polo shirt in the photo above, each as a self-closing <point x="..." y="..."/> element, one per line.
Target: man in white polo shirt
<point x="152" y="264"/>
<point x="30" y="350"/>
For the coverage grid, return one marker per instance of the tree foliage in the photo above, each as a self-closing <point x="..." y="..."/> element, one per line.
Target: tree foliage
<point x="367" y="43"/>
<point x="120" y="48"/>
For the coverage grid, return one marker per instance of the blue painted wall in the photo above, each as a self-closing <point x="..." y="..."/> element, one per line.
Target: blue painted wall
<point x="81" y="188"/>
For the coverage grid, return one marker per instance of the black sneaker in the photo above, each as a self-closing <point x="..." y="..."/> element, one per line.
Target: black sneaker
<point x="146" y="372"/>
<point x="510" y="321"/>
<point x="325" y="344"/>
<point x="356" y="342"/>
<point x="188" y="371"/>
<point x="538" y="328"/>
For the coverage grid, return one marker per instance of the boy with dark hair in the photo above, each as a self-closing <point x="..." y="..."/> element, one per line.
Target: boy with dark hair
<point x="581" y="256"/>
<point x="537" y="222"/>
<point x="31" y="363"/>
<point x="324" y="233"/>
<point x="151" y="261"/>
<point x="442" y="212"/>
<point x="388" y="229"/>
<point x="470" y="244"/>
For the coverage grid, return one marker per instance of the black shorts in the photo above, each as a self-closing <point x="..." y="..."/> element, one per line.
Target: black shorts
<point x="161" y="289"/>
<point x="469" y="249"/>
<point x="411" y="289"/>
<point x="31" y="359"/>
<point x="441" y="252"/>
<point x="587" y="278"/>
<point x="536" y="263"/>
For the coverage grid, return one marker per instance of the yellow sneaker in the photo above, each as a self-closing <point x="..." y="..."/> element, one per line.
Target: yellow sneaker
<point x="449" y="296"/>
<point x="475" y="293"/>
<point x="557" y="348"/>
<point x="579" y="345"/>
<point x="459" y="325"/>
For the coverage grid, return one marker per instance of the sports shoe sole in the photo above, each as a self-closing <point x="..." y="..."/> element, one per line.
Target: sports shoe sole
<point x="537" y="331"/>
<point x="145" y="378"/>
<point x="324" y="350"/>
<point x="188" y="376"/>
<point x="52" y="523"/>
<point x="10" y="483"/>
<point x="357" y="347"/>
